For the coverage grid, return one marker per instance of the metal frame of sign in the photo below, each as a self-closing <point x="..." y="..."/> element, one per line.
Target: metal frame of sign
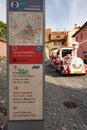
<point x="25" y="41"/>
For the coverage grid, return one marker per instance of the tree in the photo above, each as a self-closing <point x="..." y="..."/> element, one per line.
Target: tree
<point x="2" y="30"/>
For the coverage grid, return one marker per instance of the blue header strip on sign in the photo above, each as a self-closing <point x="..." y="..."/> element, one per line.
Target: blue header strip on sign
<point x="26" y="5"/>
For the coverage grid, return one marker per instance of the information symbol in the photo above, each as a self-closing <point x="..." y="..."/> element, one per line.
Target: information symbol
<point x="22" y="4"/>
<point x="38" y="48"/>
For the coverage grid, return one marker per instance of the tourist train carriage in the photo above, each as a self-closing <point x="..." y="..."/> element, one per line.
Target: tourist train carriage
<point x="67" y="62"/>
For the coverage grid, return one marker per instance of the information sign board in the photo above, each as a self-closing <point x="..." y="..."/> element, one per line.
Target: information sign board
<point x="25" y="51"/>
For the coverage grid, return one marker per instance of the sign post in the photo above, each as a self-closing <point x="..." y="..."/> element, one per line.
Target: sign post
<point x="25" y="64"/>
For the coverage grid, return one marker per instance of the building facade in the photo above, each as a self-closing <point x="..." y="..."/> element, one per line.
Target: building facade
<point x="81" y="37"/>
<point x="2" y="48"/>
<point x="70" y="39"/>
<point x="55" y="40"/>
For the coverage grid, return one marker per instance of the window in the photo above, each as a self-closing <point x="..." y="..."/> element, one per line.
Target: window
<point x="58" y="36"/>
<point x="54" y="43"/>
<point x="65" y="52"/>
<point x="63" y="42"/>
<point x="76" y="38"/>
<point x="81" y="36"/>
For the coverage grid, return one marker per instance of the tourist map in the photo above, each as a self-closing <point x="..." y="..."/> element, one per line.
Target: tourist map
<point x="25" y="28"/>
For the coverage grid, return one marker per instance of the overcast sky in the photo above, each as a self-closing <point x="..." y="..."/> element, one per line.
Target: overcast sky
<point x="62" y="14"/>
<point x="3" y="10"/>
<point x="59" y="14"/>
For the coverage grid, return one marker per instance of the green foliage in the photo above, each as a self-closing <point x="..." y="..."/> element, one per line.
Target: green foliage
<point x="2" y="30"/>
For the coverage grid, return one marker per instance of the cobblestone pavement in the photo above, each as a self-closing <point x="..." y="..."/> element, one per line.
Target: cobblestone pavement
<point x="3" y="109"/>
<point x="65" y="101"/>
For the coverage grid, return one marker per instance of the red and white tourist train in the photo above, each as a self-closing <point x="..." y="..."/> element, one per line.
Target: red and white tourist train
<point x="67" y="61"/>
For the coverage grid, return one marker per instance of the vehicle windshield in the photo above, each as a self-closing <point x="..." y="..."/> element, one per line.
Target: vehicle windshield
<point x="66" y="51"/>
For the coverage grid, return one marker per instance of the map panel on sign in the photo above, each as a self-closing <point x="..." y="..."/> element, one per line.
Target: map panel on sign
<point x="25" y="28"/>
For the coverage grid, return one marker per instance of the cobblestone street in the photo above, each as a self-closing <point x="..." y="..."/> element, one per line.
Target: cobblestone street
<point x="65" y="101"/>
<point x="3" y="97"/>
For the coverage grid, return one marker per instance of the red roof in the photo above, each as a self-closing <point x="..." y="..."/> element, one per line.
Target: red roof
<point x="83" y="26"/>
<point x="2" y="40"/>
